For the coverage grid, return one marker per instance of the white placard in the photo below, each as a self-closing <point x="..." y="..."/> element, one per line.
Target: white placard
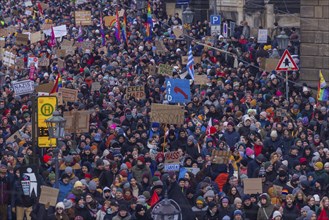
<point x="23" y="87"/>
<point x="59" y="31"/>
<point x="262" y="36"/>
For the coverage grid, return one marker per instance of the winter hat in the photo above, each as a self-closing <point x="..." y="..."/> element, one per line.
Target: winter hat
<point x="158" y="184"/>
<point x="84" y="182"/>
<point x="123" y="166"/>
<point x="225" y="200"/>
<point x="65" y="176"/>
<point x="267" y="164"/>
<point x="274" y="134"/>
<point x="46" y="158"/>
<point x="139" y="207"/>
<point x="141" y="158"/>
<point x="246" y="197"/>
<point x="68" y="170"/>
<point x="190" y="138"/>
<point x="237" y="212"/>
<point x="209" y="193"/>
<point x="147" y="195"/>
<point x="60" y="205"/>
<point x="276" y="214"/>
<point x="126" y="185"/>
<point x="51" y="176"/>
<point x="282" y="173"/>
<point x="326" y="165"/>
<point x="249" y="151"/>
<point x="99" y="162"/>
<point x="303" y="161"/>
<point x="123" y="173"/>
<point x="316" y="198"/>
<point x="141" y="200"/>
<point x="211" y="205"/>
<point x="92" y="185"/>
<point x="199" y="200"/>
<point x="237" y="200"/>
<point x="123" y="208"/>
<point x="67" y="203"/>
<point x="226" y="217"/>
<point x="77" y="184"/>
<point x="306" y="208"/>
<point x="119" y="190"/>
<point x="264" y="114"/>
<point x="230" y="123"/>
<point x="319" y="165"/>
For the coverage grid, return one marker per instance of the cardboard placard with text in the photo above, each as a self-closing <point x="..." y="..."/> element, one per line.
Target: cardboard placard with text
<point x="77" y="121"/>
<point x="22" y="39"/>
<point x="252" y="186"/>
<point x="36" y="37"/>
<point x="46" y="26"/>
<point x="220" y="156"/>
<point x="60" y="63"/>
<point x="69" y="95"/>
<point x="165" y="69"/>
<point x="60" y="53"/>
<point x="2" y="42"/>
<point x="135" y="91"/>
<point x="47" y="87"/>
<point x="200" y="79"/>
<point x="20" y="62"/>
<point x="178" y="31"/>
<point x="152" y="69"/>
<point x="167" y="114"/>
<point x="109" y="21"/>
<point x="83" y="18"/>
<point x="59" y="98"/>
<point x="95" y="86"/>
<point x="43" y="61"/>
<point x="66" y="44"/>
<point x="8" y="58"/>
<point x="48" y="195"/>
<point x="160" y="47"/>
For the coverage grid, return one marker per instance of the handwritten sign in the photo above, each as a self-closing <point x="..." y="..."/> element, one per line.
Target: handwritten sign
<point x="165" y="69"/>
<point x="253" y="185"/>
<point x="69" y="95"/>
<point x="48" y="195"/>
<point x="8" y="59"/>
<point x="167" y="114"/>
<point x="109" y="21"/>
<point x="220" y="156"/>
<point x="23" y="87"/>
<point x="43" y="61"/>
<point x="171" y="162"/>
<point x="83" y="18"/>
<point x="22" y="39"/>
<point x="135" y="91"/>
<point x="95" y="86"/>
<point x="36" y="37"/>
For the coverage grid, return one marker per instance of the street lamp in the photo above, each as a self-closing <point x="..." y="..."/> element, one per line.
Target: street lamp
<point x="56" y="126"/>
<point x="188" y="16"/>
<point x="282" y="40"/>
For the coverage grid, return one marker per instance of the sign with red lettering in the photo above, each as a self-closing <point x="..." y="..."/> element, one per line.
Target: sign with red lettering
<point x="171" y="161"/>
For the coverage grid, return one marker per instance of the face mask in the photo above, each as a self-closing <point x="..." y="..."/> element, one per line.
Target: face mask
<point x="82" y="206"/>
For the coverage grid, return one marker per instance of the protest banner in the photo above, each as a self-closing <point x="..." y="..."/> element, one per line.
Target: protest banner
<point x="167" y="114"/>
<point x="59" y="31"/>
<point x="220" y="156"/>
<point x="178" y="90"/>
<point x="135" y="91"/>
<point x="171" y="162"/>
<point x="165" y="69"/>
<point x="252" y="186"/>
<point x="83" y="18"/>
<point x="69" y="95"/>
<point x="48" y="195"/>
<point x="22" y="39"/>
<point x="23" y="87"/>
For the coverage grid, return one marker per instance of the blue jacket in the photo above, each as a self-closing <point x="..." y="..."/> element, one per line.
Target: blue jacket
<point x="64" y="190"/>
<point x="231" y="138"/>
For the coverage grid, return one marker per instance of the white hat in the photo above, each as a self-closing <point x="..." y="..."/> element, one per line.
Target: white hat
<point x="316" y="198"/>
<point x="277" y="214"/>
<point x="60" y="205"/>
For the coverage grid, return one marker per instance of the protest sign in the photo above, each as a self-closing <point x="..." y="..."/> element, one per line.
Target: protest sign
<point x="47" y="87"/>
<point x="178" y="31"/>
<point x="66" y="43"/>
<point x="77" y="121"/>
<point x="95" y="86"/>
<point x="20" y="62"/>
<point x="48" y="195"/>
<point x="178" y="90"/>
<point x="200" y="79"/>
<point x="220" y="156"/>
<point x="36" y="37"/>
<point x="165" y="69"/>
<point x="104" y="49"/>
<point x="171" y="162"/>
<point x="43" y="61"/>
<point x="28" y="3"/>
<point x="23" y="87"/>
<point x="32" y="61"/>
<point x="60" y="63"/>
<point x="109" y="21"/>
<point x="59" y="31"/>
<point x="22" y="39"/>
<point x="86" y="45"/>
<point x="262" y="36"/>
<point x="270" y="64"/>
<point x="80" y="2"/>
<point x="167" y="114"/>
<point x="44" y="6"/>
<point x="69" y="95"/>
<point x="60" y="53"/>
<point x="16" y="137"/>
<point x="152" y="69"/>
<point x="8" y="58"/>
<point x="160" y="47"/>
<point x="3" y="32"/>
<point x="252" y="186"/>
<point x="28" y="12"/>
<point x="192" y="170"/>
<point x="135" y="91"/>
<point x="2" y="41"/>
<point x="59" y="97"/>
<point x="45" y="27"/>
<point x="83" y="18"/>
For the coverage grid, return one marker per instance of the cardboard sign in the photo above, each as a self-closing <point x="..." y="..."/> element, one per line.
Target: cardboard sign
<point x="23" y="87"/>
<point x="95" y="86"/>
<point x="268" y="64"/>
<point x="32" y="61"/>
<point x="160" y="47"/>
<point x="36" y="37"/>
<point x="135" y="91"/>
<point x="167" y="114"/>
<point x="152" y="69"/>
<point x="69" y="95"/>
<point x="252" y="186"/>
<point x="193" y="170"/>
<point x="48" y="195"/>
<point x="60" y="63"/>
<point x="178" y="31"/>
<point x="80" y="2"/>
<point x="60" y="53"/>
<point x="109" y="21"/>
<point x="44" y="6"/>
<point x="77" y="121"/>
<point x="66" y="43"/>
<point x="86" y="45"/>
<point x="8" y="59"/>
<point x="200" y="79"/>
<point x="3" y="32"/>
<point x="171" y="162"/>
<point x="104" y="49"/>
<point x="165" y="69"/>
<point x="22" y="39"/>
<point x="47" y="87"/>
<point x="43" y="61"/>
<point x="83" y="18"/>
<point x="20" y="62"/>
<point x="220" y="156"/>
<point x="70" y="51"/>
<point x="16" y="137"/>
<point x="28" y="3"/>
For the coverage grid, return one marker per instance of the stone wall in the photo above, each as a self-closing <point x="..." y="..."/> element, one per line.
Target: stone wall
<point x="314" y="39"/>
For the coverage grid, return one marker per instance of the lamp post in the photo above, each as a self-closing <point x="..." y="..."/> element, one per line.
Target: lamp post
<point x="283" y="40"/>
<point x="188" y="16"/>
<point x="56" y="125"/>
<point x="2" y="79"/>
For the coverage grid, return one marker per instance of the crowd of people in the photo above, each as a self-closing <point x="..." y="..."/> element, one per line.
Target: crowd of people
<point x="117" y="169"/>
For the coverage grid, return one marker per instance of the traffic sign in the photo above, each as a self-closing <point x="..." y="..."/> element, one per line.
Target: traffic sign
<point x="46" y="106"/>
<point x="215" y="20"/>
<point x="225" y="30"/>
<point x="215" y="30"/>
<point x="23" y="87"/>
<point x="286" y="62"/>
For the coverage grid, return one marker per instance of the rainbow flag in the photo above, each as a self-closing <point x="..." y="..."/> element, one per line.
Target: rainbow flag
<point x="102" y="29"/>
<point x="124" y="28"/>
<point x="117" y="32"/>
<point x="323" y="93"/>
<point x="58" y="84"/>
<point x="149" y="23"/>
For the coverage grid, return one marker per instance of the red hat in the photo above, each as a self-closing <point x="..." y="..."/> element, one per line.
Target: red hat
<point x="123" y="173"/>
<point x="46" y="158"/>
<point x="25" y="107"/>
<point x="6" y="112"/>
<point x="128" y="165"/>
<point x="88" y="175"/>
<point x="213" y="130"/>
<point x="303" y="161"/>
<point x="141" y="158"/>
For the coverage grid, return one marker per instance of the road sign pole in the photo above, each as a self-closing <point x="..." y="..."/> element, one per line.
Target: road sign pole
<point x="287" y="87"/>
<point x="34" y="130"/>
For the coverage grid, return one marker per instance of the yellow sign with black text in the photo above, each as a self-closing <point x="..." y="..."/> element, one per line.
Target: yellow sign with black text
<point x="46" y="106"/>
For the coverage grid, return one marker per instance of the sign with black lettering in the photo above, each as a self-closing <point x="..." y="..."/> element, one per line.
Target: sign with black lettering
<point x="171" y="162"/>
<point x="23" y="87"/>
<point x="135" y="91"/>
<point x="167" y="114"/>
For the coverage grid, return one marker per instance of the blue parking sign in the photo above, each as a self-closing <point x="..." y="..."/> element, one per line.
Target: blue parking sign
<point x="215" y="20"/>
<point x="178" y="90"/>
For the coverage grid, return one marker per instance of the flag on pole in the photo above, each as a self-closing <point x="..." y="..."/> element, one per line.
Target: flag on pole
<point x="102" y="29"/>
<point x="52" y="42"/>
<point x="124" y="28"/>
<point x="149" y="23"/>
<point x="323" y="93"/>
<point x="117" y="20"/>
<point x="40" y="9"/>
<point x="190" y="63"/>
<point x="154" y="199"/>
<point x="80" y="34"/>
<point x="58" y="84"/>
